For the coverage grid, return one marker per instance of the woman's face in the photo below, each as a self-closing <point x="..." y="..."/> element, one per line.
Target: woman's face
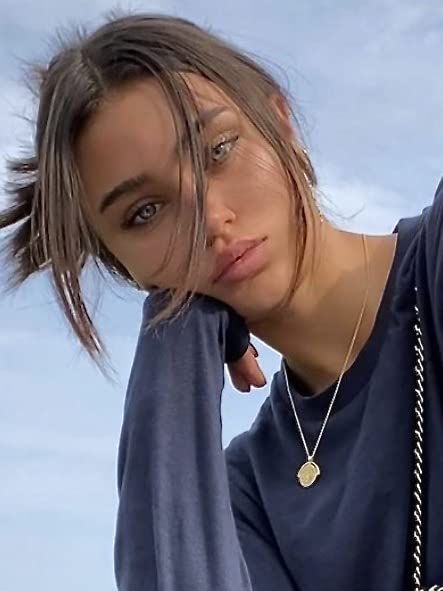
<point x="129" y="149"/>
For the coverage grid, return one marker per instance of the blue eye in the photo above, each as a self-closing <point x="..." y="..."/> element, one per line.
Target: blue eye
<point x="144" y="214"/>
<point x="220" y="150"/>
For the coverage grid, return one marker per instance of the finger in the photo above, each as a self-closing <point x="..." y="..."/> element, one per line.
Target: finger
<point x="240" y="384"/>
<point x="246" y="372"/>
<point x="250" y="370"/>
<point x="257" y="378"/>
<point x="251" y="353"/>
<point x="244" y="387"/>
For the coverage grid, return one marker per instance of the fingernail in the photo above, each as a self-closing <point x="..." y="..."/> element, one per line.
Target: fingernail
<point x="254" y="350"/>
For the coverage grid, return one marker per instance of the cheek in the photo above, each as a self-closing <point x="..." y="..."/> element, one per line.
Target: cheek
<point x="258" y="177"/>
<point x="144" y="255"/>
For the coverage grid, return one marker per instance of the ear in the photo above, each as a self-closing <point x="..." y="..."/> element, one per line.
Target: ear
<point x="283" y="112"/>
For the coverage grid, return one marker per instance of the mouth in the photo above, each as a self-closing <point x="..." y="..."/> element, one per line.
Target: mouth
<point x="241" y="264"/>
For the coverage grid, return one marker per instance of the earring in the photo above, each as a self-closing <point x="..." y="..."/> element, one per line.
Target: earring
<point x="319" y="211"/>
<point x="316" y="202"/>
<point x="314" y="198"/>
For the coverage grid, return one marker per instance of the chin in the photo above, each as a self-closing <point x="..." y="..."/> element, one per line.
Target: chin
<point x="257" y="300"/>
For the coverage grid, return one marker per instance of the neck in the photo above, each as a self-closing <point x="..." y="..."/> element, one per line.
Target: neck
<point x="314" y="330"/>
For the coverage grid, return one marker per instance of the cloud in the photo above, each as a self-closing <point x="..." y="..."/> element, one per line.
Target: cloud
<point x="59" y="429"/>
<point x="47" y="15"/>
<point x="40" y="482"/>
<point x="357" y="205"/>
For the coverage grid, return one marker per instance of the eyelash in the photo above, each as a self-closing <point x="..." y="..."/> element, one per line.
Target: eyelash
<point x="223" y="140"/>
<point x="130" y="222"/>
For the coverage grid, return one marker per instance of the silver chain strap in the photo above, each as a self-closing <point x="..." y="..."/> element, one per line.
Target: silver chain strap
<point x="417" y="534"/>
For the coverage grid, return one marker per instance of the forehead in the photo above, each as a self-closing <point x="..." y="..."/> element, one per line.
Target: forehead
<point x="141" y="109"/>
<point x="133" y="131"/>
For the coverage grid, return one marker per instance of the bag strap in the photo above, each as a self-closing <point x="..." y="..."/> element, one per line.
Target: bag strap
<point x="417" y="533"/>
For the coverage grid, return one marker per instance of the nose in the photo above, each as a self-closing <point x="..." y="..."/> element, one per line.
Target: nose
<point x="219" y="218"/>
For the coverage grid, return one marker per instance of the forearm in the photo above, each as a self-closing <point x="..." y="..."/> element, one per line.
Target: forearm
<point x="175" y="528"/>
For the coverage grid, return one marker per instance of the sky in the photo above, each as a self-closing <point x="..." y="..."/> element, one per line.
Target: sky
<point x="366" y="80"/>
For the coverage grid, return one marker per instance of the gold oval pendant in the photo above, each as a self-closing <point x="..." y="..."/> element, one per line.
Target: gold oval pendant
<point x="308" y="474"/>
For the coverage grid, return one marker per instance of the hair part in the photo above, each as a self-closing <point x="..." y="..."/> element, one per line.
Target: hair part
<point x="47" y="222"/>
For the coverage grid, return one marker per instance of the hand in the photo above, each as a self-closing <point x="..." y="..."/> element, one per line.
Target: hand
<point x="246" y="371"/>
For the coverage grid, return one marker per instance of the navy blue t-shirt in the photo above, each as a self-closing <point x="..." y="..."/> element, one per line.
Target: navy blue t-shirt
<point x="194" y="517"/>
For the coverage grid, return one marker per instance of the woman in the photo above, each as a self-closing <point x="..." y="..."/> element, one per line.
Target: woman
<point x="170" y="159"/>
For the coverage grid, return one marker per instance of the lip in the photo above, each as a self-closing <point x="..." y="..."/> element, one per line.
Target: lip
<point x="243" y="260"/>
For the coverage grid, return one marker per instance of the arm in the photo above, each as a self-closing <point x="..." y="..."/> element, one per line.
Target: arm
<point x="175" y="529"/>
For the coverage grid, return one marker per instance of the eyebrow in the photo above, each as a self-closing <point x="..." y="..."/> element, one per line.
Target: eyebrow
<point x="133" y="184"/>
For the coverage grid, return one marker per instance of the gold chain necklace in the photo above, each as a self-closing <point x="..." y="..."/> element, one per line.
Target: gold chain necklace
<point x="310" y="470"/>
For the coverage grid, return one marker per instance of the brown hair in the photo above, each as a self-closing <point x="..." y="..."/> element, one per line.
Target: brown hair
<point x="50" y="228"/>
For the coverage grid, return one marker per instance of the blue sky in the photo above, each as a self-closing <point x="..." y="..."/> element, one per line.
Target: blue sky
<point x="367" y="80"/>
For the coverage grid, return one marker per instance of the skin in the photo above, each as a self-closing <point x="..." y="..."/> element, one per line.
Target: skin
<point x="132" y="133"/>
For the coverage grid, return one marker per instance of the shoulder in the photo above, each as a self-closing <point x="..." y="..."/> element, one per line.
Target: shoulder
<point x="428" y="275"/>
<point x="433" y="214"/>
<point x="421" y="240"/>
<point x="236" y="453"/>
<point x="243" y="490"/>
<point x="431" y="238"/>
<point x="243" y="447"/>
<point x="440" y="187"/>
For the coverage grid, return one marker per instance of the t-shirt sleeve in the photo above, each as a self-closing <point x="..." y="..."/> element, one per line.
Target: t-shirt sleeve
<point x="175" y="528"/>
<point x="266" y="566"/>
